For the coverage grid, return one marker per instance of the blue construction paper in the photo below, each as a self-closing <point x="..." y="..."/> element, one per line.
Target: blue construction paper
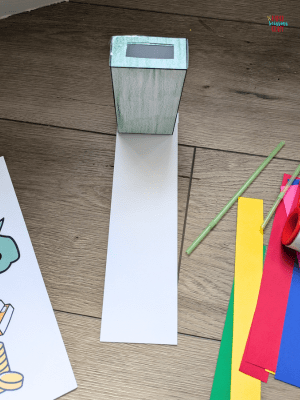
<point x="288" y="366"/>
<point x="296" y="182"/>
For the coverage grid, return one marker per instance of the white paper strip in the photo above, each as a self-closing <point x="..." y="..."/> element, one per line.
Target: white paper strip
<point x="31" y="340"/>
<point x="140" y="294"/>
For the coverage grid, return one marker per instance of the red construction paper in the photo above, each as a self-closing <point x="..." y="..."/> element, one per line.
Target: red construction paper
<point x="263" y="343"/>
<point x="251" y="369"/>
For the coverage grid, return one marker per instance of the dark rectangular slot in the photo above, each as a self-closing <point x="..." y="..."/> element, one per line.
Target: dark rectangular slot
<point x="158" y="51"/>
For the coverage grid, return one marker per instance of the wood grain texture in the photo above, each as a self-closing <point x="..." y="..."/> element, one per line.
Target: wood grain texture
<point x="206" y="275"/>
<point x="63" y="181"/>
<point x="133" y="372"/>
<point x="241" y="92"/>
<point x="243" y="10"/>
<point x="276" y="390"/>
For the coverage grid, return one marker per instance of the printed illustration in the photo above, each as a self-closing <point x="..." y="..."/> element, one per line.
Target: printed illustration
<point x="9" y="251"/>
<point x="6" y="312"/>
<point x="9" y="380"/>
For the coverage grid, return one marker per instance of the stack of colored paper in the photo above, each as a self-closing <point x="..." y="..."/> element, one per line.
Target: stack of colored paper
<point x="273" y="344"/>
<point x="261" y="332"/>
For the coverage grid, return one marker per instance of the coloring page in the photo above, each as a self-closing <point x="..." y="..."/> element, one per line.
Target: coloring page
<point x="34" y="364"/>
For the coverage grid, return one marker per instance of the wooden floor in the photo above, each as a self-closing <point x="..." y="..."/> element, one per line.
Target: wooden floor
<point x="57" y="133"/>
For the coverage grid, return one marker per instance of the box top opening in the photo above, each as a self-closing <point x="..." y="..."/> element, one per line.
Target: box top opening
<point x="148" y="52"/>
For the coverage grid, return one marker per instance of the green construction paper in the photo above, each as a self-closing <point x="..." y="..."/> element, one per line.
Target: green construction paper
<point x="265" y="251"/>
<point x="222" y="380"/>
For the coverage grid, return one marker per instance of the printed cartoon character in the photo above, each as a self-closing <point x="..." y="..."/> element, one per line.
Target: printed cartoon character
<point x="9" y="251"/>
<point x="9" y="380"/>
<point x="6" y="312"/>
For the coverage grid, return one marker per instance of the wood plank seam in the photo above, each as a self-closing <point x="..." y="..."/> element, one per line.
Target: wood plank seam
<point x="242" y="153"/>
<point x="112" y="134"/>
<point x="179" y="14"/>
<point x="99" y="318"/>
<point x="56" y="126"/>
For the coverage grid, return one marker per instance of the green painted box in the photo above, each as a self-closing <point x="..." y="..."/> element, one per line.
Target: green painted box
<point x="148" y="74"/>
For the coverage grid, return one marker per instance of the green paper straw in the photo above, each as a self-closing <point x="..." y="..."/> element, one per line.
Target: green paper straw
<point x="234" y="199"/>
<point x="280" y="197"/>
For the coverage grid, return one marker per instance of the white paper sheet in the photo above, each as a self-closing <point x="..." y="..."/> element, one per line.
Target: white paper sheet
<point x="140" y="294"/>
<point x="32" y="341"/>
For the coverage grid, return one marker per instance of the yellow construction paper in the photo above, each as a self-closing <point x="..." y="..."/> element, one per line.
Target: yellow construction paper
<point x="248" y="273"/>
<point x="270" y="372"/>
